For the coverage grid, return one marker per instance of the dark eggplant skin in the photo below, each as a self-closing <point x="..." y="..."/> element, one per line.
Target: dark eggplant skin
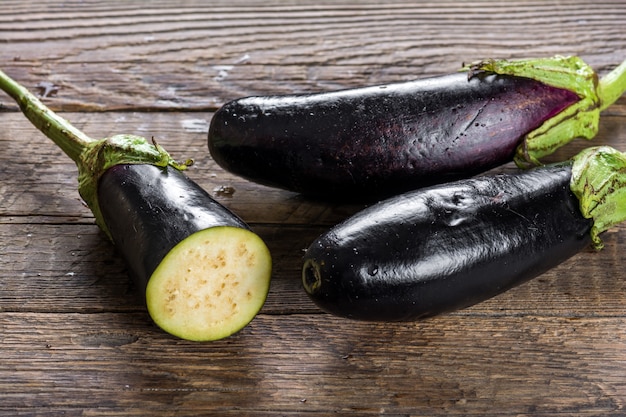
<point x="374" y="142"/>
<point x="446" y="247"/>
<point x="161" y="206"/>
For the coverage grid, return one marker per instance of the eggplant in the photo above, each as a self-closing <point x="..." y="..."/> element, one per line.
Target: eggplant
<point x="372" y="142"/>
<point x="203" y="272"/>
<point x="449" y="246"/>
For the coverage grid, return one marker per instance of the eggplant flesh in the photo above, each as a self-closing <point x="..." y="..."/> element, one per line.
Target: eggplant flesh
<point x="204" y="273"/>
<point x="374" y="142"/>
<point x="446" y="247"/>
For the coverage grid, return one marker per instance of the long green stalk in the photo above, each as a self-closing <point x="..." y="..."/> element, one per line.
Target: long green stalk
<point x="92" y="157"/>
<point x="612" y="86"/>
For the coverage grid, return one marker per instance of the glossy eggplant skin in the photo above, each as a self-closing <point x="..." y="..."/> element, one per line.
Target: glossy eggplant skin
<point x="446" y="247"/>
<point x="374" y="142"/>
<point x="149" y="209"/>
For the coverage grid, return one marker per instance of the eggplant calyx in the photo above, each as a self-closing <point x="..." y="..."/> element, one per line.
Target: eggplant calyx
<point x="579" y="120"/>
<point x="100" y="155"/>
<point x="599" y="182"/>
<point x="92" y="157"/>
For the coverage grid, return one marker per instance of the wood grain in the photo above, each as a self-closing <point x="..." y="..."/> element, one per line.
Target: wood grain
<point x="199" y="55"/>
<point x="75" y="338"/>
<point x="298" y="364"/>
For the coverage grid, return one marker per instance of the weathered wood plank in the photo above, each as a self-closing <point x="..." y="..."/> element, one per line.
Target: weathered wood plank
<point x="103" y="364"/>
<point x="198" y="56"/>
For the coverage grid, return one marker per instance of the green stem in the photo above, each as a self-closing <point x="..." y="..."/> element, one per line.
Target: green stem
<point x="612" y="86"/>
<point x="92" y="157"/>
<point x="71" y="140"/>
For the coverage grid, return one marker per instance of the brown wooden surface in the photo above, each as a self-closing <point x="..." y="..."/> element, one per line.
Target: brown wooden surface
<point x="75" y="339"/>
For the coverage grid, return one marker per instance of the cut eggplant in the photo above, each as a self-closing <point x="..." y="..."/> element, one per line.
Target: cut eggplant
<point x="204" y="272"/>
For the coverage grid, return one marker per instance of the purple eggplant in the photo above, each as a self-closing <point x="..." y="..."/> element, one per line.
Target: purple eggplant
<point x="372" y="142"/>
<point x="449" y="246"/>
<point x="204" y="273"/>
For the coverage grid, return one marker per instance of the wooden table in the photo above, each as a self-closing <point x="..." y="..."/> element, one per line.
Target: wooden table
<point x="75" y="339"/>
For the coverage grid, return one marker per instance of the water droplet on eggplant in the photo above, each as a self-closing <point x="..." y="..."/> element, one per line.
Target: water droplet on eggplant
<point x="372" y="270"/>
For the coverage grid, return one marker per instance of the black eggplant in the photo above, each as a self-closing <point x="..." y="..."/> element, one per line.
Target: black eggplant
<point x="372" y="142"/>
<point x="204" y="272"/>
<point x="449" y="246"/>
